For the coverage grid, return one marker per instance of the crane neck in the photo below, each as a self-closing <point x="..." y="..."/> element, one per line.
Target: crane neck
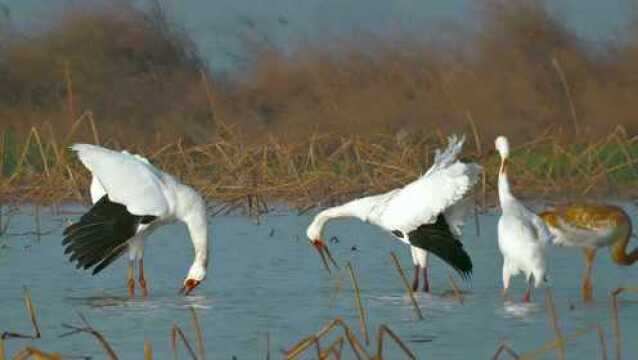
<point x="191" y="210"/>
<point x="619" y="249"/>
<point x="504" y="193"/>
<point x="351" y="209"/>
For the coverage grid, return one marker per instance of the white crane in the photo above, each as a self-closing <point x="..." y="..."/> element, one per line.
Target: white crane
<point x="131" y="198"/>
<point x="426" y="214"/>
<point x="591" y="226"/>
<point x="522" y="235"/>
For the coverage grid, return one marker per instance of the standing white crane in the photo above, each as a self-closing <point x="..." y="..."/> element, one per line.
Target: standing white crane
<point x="522" y="235"/>
<point x="425" y="214"/>
<point x="131" y="198"/>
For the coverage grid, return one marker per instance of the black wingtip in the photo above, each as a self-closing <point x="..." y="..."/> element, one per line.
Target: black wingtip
<point x="438" y="239"/>
<point x="101" y="235"/>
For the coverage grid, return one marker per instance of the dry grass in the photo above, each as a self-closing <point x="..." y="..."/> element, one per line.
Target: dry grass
<point x="322" y="168"/>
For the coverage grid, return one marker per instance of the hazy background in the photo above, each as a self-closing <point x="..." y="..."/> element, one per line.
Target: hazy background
<point x="216" y="25"/>
<point x="157" y="71"/>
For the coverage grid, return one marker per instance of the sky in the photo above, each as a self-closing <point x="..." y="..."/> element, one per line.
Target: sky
<point x="217" y="25"/>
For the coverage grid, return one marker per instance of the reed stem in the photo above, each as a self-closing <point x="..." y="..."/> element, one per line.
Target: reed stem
<point x="359" y="305"/>
<point x="408" y="289"/>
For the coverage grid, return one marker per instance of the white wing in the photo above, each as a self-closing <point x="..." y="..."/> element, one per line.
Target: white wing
<point x="96" y="190"/>
<point x="544" y="235"/>
<point x="127" y="179"/>
<point x="444" y="184"/>
<point x="455" y="215"/>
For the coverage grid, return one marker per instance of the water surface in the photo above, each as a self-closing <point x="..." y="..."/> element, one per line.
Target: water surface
<point x="266" y="279"/>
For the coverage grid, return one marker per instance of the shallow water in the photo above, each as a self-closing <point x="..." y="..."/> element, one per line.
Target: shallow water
<point x="266" y="279"/>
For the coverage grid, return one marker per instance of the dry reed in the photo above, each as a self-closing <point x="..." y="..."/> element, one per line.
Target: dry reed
<point x="322" y="170"/>
<point x="198" y="334"/>
<point x="177" y="333"/>
<point x="408" y="289"/>
<point x="615" y="322"/>
<point x="558" y="343"/>
<point x="88" y="329"/>
<point x="383" y="329"/>
<point x="504" y="348"/>
<point x="553" y="316"/>
<point x="148" y="350"/>
<point x="336" y="346"/>
<point x="359" y="305"/>
<point x="301" y="346"/>
<point x="30" y="308"/>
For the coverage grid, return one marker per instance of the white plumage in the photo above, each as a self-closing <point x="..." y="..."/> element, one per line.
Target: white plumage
<point x="522" y="235"/>
<point x="427" y="213"/>
<point x="132" y="198"/>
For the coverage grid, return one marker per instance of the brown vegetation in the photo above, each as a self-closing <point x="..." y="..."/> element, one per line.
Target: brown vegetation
<point x="319" y="124"/>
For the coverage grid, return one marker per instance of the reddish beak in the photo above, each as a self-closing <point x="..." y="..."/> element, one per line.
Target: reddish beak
<point x="323" y="251"/>
<point x="188" y="287"/>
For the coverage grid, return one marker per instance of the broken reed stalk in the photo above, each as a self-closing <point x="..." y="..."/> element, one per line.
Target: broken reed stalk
<point x="69" y="91"/>
<point x="301" y="346"/>
<point x="148" y="350"/>
<point x="30" y="351"/>
<point x="551" y="312"/>
<point x="504" y="348"/>
<point x="603" y="343"/>
<point x="88" y="329"/>
<point x="408" y="289"/>
<point x="175" y="332"/>
<point x="335" y="348"/>
<point x="324" y="261"/>
<point x="615" y="323"/>
<point x="198" y="334"/>
<point x="384" y="329"/>
<point x="359" y="305"/>
<point x="28" y="304"/>
<point x="332" y="260"/>
<point x="563" y="81"/>
<point x="557" y="343"/>
<point x="455" y="289"/>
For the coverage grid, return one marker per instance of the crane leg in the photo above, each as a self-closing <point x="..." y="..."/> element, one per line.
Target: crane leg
<point x="415" y="282"/>
<point x="586" y="288"/>
<point x="142" y="280"/>
<point x="506" y="280"/>
<point x="528" y="292"/>
<point x="131" y="279"/>
<point x="426" y="281"/>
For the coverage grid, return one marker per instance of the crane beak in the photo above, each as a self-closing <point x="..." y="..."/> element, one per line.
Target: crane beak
<point x="324" y="252"/>
<point x="189" y="286"/>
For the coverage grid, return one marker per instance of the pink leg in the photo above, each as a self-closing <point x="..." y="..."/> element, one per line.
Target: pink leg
<point x="528" y="292"/>
<point x="415" y="282"/>
<point x="426" y="281"/>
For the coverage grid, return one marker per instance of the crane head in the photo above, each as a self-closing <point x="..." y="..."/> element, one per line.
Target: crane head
<point x="189" y="286"/>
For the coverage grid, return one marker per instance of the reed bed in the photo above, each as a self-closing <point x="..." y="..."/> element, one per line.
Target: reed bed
<point x="321" y="169"/>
